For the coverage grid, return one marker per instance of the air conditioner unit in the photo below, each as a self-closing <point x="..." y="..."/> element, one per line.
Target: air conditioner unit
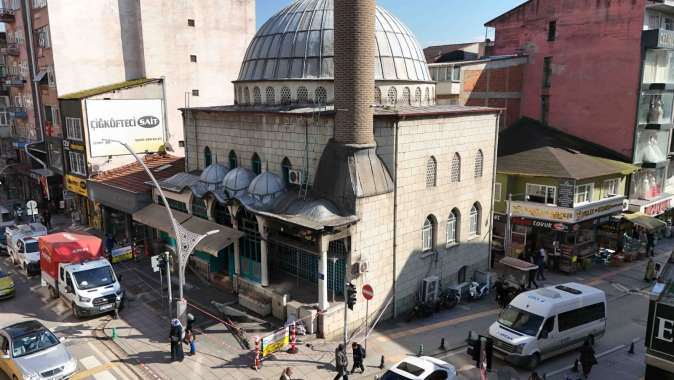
<point x="429" y="289"/>
<point x="359" y="268"/>
<point x="295" y="176"/>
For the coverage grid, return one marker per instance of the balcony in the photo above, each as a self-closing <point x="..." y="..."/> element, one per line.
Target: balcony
<point x="13" y="80"/>
<point x="18" y="112"/>
<point x="6" y="15"/>
<point x="11" y="49"/>
<point x="658" y="39"/>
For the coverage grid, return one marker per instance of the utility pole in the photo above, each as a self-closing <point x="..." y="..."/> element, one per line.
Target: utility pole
<point x="168" y="280"/>
<point x="509" y="229"/>
<point x="346" y="306"/>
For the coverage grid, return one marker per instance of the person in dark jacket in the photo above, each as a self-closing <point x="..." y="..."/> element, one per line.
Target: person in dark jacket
<point x="341" y="363"/>
<point x="587" y="358"/>
<point x="176" y="336"/>
<point x="650" y="244"/>
<point x="532" y="279"/>
<point x="358" y="355"/>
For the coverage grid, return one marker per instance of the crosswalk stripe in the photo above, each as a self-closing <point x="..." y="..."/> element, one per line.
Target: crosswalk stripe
<point x="90" y="362"/>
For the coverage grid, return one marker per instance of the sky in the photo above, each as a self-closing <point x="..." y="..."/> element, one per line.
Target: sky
<point x="434" y="22"/>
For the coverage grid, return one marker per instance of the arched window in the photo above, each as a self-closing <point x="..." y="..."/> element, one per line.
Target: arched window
<point x="406" y="96"/>
<point x="208" y="159"/>
<point x="271" y="95"/>
<point x="302" y="95"/>
<point x="479" y="161"/>
<point x="256" y="164"/>
<point x="461" y="276"/>
<point x="285" y="96"/>
<point x="232" y="159"/>
<point x="285" y="169"/>
<point x="474" y="220"/>
<point x="427" y="232"/>
<point x="428" y="97"/>
<point x="417" y="96"/>
<point x="455" y="175"/>
<point x="392" y="96"/>
<point x="257" y="96"/>
<point x="453" y="227"/>
<point x="431" y="172"/>
<point x="221" y="214"/>
<point x="377" y="95"/>
<point x="321" y="96"/>
<point x="246" y="96"/>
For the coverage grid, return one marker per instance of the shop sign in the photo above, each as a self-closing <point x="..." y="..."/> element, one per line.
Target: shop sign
<point x="74" y="146"/>
<point x="541" y="224"/>
<point x="657" y="208"/>
<point x="567" y="215"/>
<point x="76" y="184"/>
<point x="601" y="208"/>
<point x="661" y="328"/>
<point x="276" y="341"/>
<point x="567" y="188"/>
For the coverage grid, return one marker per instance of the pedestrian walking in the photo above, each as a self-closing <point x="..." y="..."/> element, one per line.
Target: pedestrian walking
<point x="190" y="322"/>
<point x="341" y="363"/>
<point x="650" y="274"/>
<point x="532" y="279"/>
<point x="658" y="270"/>
<point x="540" y="261"/>
<point x="176" y="335"/>
<point x="534" y="376"/>
<point x="587" y="358"/>
<point x="46" y="215"/>
<point x="190" y="340"/>
<point x="358" y="355"/>
<point x="650" y="244"/>
<point x="500" y="292"/>
<point x="286" y="374"/>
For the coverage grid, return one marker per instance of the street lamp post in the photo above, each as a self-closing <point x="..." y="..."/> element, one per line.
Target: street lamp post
<point x="186" y="240"/>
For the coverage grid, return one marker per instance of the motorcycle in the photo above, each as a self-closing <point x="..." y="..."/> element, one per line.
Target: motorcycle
<point x="421" y="310"/>
<point x="448" y="299"/>
<point x="476" y="290"/>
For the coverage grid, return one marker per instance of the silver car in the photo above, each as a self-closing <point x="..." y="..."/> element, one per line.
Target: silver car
<point x="29" y="351"/>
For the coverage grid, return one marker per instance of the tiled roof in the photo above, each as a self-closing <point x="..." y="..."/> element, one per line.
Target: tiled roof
<point x="132" y="177"/>
<point x="434" y="52"/>
<point x="107" y="88"/>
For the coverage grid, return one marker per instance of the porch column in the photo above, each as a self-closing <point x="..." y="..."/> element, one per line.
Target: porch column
<point x="323" y="275"/>
<point x="264" y="269"/>
<point x="237" y="262"/>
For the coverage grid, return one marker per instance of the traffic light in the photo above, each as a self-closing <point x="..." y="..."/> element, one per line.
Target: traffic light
<point x="474" y="351"/>
<point x="350" y="295"/>
<point x="489" y="352"/>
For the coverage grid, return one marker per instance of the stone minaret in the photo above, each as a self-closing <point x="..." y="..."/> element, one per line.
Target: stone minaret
<point x="354" y="71"/>
<point x="350" y="168"/>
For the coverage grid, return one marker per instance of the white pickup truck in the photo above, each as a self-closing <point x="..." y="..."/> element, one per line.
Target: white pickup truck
<point x="22" y="246"/>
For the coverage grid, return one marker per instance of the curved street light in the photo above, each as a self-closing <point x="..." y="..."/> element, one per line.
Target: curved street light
<point x="186" y="240"/>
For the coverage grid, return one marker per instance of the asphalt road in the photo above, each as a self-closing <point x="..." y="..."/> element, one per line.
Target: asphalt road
<point x="95" y="360"/>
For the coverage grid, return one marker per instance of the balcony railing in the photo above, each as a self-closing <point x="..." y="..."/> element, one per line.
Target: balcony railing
<point x="658" y="39"/>
<point x="18" y="112"/>
<point x="11" y="49"/>
<point x="6" y="15"/>
<point x="13" y="80"/>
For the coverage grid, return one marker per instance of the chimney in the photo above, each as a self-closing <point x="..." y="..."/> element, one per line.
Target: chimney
<point x="350" y="168"/>
<point x="354" y="71"/>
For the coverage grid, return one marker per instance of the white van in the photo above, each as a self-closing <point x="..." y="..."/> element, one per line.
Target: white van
<point x="542" y="323"/>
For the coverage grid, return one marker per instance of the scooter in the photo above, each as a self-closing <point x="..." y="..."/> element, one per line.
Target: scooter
<point x="477" y="291"/>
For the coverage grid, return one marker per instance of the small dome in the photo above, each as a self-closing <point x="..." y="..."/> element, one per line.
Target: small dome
<point x="298" y="43"/>
<point x="214" y="174"/>
<point x="237" y="180"/>
<point x="266" y="187"/>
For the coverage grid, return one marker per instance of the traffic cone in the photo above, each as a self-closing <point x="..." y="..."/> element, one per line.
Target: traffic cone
<point x="421" y="350"/>
<point x="631" y="350"/>
<point x="381" y="363"/>
<point x="442" y="344"/>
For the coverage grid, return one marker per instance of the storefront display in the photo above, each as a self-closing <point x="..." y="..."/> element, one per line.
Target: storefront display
<point x="652" y="145"/>
<point x="648" y="183"/>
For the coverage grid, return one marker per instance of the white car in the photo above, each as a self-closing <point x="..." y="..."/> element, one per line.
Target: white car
<point x="420" y="368"/>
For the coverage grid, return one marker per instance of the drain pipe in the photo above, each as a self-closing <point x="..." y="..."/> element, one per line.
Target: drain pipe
<point x="395" y="220"/>
<point x="28" y="19"/>
<point x="493" y="182"/>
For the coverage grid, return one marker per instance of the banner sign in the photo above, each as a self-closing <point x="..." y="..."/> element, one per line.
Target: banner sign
<point x="577" y="214"/>
<point x="139" y="123"/>
<point x="275" y="342"/>
<point x="660" y="337"/>
<point x="76" y="185"/>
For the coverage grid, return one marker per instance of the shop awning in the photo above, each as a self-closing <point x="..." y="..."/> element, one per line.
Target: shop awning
<point x="648" y="222"/>
<point x="214" y="243"/>
<point x="157" y="217"/>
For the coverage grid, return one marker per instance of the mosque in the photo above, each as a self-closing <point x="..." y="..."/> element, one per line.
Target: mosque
<point x="336" y="165"/>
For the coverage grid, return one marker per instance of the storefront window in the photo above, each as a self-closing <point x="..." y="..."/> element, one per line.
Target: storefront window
<point x="658" y="66"/>
<point x="647" y="183"/>
<point x="541" y="193"/>
<point x="655" y="107"/>
<point x="669" y="186"/>
<point x="651" y="146"/>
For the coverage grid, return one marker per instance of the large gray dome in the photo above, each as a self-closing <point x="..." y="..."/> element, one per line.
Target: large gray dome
<point x="297" y="43"/>
<point x="237" y="180"/>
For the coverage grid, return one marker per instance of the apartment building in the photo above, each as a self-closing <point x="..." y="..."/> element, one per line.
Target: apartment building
<point x="59" y="47"/>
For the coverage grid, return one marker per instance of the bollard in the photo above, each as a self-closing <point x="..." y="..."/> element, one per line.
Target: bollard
<point x="293" y="340"/>
<point x="256" y="362"/>
<point x="631" y="350"/>
<point x="114" y="333"/>
<point x="421" y="350"/>
<point x="575" y="366"/>
<point x="442" y="344"/>
<point x="381" y="363"/>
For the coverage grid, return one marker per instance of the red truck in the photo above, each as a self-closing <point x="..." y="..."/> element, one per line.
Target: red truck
<point x="73" y="267"/>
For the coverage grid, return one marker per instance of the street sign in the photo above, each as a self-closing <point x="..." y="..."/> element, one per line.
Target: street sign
<point x="155" y="263"/>
<point x="31" y="208"/>
<point x="368" y="292"/>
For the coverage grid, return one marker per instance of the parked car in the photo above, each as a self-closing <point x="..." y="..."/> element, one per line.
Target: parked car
<point x="29" y="351"/>
<point x="420" y="368"/>
<point x="6" y="285"/>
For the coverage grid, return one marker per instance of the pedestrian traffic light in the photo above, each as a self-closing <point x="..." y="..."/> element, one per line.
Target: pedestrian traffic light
<point x="474" y="351"/>
<point x="350" y="295"/>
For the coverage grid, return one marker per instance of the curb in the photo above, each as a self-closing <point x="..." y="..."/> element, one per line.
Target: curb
<point x="121" y="353"/>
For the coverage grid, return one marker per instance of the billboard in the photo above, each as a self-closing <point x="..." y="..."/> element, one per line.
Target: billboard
<point x="139" y="123"/>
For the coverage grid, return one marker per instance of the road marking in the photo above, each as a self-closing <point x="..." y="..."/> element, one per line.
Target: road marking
<point x="92" y="371"/>
<point x="602" y="277"/>
<point x="90" y="362"/>
<point x="437" y="325"/>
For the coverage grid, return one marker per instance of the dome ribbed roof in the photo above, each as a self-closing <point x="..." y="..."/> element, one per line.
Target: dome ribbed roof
<point x="298" y="42"/>
<point x="237" y="180"/>
<point x="266" y="187"/>
<point x="214" y="174"/>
